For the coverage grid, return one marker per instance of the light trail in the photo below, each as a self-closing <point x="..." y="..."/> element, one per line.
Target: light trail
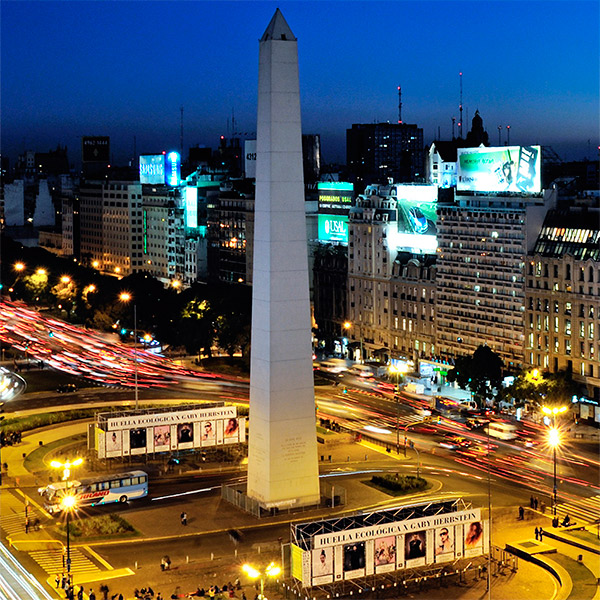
<point x="15" y="582"/>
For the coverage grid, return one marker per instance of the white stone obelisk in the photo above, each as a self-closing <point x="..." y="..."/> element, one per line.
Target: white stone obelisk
<point x="282" y="447"/>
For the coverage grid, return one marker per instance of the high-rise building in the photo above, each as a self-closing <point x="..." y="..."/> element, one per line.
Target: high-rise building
<point x="376" y="152"/>
<point x="480" y="296"/>
<point x="562" y="292"/>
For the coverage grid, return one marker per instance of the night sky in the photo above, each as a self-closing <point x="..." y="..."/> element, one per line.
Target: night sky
<point x="124" y="69"/>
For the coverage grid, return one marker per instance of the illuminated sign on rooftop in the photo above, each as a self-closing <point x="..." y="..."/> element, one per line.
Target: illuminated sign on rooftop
<point x="502" y="169"/>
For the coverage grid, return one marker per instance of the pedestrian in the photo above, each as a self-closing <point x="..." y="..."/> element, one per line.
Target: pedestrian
<point x="535" y="503"/>
<point x="184" y="518"/>
<point x="537" y="533"/>
<point x="531" y="501"/>
<point x="521" y="513"/>
<point x="26" y="524"/>
<point x="57" y="580"/>
<point x="244" y="596"/>
<point x="541" y="534"/>
<point x="543" y="507"/>
<point x="80" y="593"/>
<point x="92" y="595"/>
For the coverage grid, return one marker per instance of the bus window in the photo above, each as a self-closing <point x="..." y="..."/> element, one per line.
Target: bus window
<point x="127" y="482"/>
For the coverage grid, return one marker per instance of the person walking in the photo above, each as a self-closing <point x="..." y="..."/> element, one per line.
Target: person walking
<point x="92" y="594"/>
<point x="535" y="503"/>
<point x="531" y="501"/>
<point x="183" y="518"/>
<point x="541" y="534"/>
<point x="521" y="513"/>
<point x="537" y="533"/>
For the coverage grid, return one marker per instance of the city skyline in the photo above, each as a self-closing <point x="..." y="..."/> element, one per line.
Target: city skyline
<point x="124" y="69"/>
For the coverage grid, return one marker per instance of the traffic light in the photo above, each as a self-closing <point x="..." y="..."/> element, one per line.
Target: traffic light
<point x="345" y="390"/>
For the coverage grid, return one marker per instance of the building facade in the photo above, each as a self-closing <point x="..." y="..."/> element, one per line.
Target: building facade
<point x="480" y="298"/>
<point x="376" y="152"/>
<point x="562" y="319"/>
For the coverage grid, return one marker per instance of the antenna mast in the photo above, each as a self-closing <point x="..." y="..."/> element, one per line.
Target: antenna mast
<point x="460" y="108"/>
<point x="399" y="105"/>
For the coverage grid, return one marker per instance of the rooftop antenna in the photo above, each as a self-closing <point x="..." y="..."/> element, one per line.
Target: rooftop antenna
<point x="499" y="135"/>
<point x="453" y="123"/>
<point x="181" y="132"/>
<point x="508" y="135"/>
<point x="399" y="105"/>
<point x="233" y="132"/>
<point x="460" y="108"/>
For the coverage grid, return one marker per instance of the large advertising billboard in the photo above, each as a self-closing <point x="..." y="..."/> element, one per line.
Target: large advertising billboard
<point x="335" y="197"/>
<point x="417" y="218"/>
<point x="173" y="168"/>
<point x="351" y="553"/>
<point x="95" y="149"/>
<point x="333" y="228"/>
<point x="152" y="169"/>
<point x="191" y="206"/>
<point x="501" y="169"/>
<point x="132" y="432"/>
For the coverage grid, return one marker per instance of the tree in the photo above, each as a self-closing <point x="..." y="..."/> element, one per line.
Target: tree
<point x="542" y="388"/>
<point x="481" y="373"/>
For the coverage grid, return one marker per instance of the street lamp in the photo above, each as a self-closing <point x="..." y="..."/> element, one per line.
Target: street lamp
<point x="68" y="503"/>
<point x="271" y="571"/>
<point x="554" y="441"/>
<point x="398" y="370"/>
<point x="126" y="297"/>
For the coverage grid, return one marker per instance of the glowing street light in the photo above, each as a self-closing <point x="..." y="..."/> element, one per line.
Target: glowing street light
<point x="41" y="271"/>
<point x="555" y="410"/>
<point x="65" y="279"/>
<point x="176" y="284"/>
<point x="272" y="570"/>
<point x="554" y="441"/>
<point x="398" y="370"/>
<point x="19" y="266"/>
<point x="127" y="297"/>
<point x="68" y="503"/>
<point x="95" y="264"/>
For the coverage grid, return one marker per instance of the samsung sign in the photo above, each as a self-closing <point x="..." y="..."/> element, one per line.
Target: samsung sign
<point x="152" y="169"/>
<point x="333" y="228"/>
<point x="159" y="169"/>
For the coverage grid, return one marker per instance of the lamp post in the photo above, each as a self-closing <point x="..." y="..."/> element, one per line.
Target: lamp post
<point x="398" y="370"/>
<point x="272" y="570"/>
<point x="126" y="297"/>
<point x="69" y="502"/>
<point x="554" y="441"/>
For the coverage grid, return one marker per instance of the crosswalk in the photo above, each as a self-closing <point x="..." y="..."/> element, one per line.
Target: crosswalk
<point x="51" y="560"/>
<point x="583" y="511"/>
<point x="13" y="523"/>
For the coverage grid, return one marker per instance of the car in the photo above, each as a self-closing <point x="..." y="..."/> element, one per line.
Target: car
<point x="418" y="220"/>
<point x="455" y="442"/>
<point x="66" y="388"/>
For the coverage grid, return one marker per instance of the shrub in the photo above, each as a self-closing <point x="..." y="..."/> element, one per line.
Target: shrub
<point x="399" y="483"/>
<point x="105" y="525"/>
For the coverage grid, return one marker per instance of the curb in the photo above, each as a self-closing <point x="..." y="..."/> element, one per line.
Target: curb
<point x="571" y="542"/>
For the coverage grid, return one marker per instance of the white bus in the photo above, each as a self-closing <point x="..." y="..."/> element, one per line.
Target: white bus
<point x="501" y="430"/>
<point x="119" y="487"/>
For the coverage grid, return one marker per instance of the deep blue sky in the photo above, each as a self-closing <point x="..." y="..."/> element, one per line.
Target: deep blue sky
<point x="75" y="68"/>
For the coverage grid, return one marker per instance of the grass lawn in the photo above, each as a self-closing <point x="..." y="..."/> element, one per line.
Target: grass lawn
<point x="584" y="582"/>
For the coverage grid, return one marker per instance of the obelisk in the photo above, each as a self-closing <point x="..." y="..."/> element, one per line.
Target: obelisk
<point x="282" y="447"/>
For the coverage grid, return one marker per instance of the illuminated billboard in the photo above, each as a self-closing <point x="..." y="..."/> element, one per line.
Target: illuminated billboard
<point x="152" y="169"/>
<point x="191" y="206"/>
<point x="417" y="218"/>
<point x="135" y="432"/>
<point x="502" y="169"/>
<point x="95" y="149"/>
<point x="172" y="168"/>
<point x="333" y="228"/>
<point x="335" y="197"/>
<point x="334" y="554"/>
